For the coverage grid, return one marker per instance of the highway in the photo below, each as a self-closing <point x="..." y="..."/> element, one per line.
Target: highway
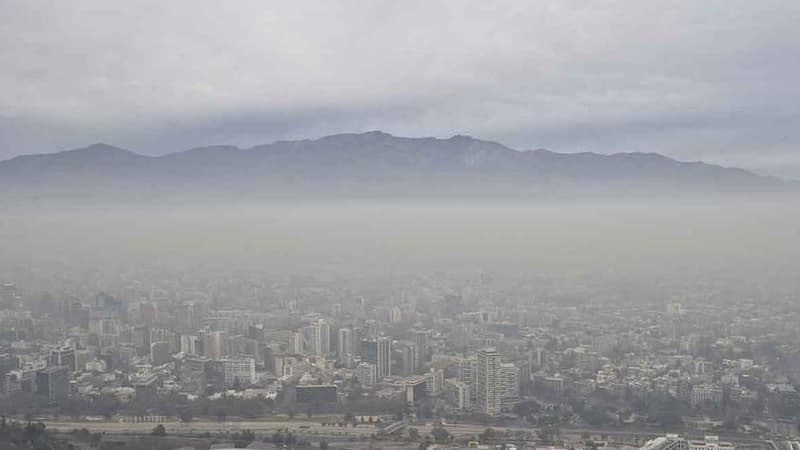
<point x="316" y="429"/>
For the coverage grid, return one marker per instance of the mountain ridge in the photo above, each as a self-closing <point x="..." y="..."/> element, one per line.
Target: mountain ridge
<point x="375" y="162"/>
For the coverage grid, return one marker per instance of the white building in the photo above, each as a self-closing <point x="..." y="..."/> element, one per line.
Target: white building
<point x="467" y="373"/>
<point x="241" y="370"/>
<point x="321" y="335"/>
<point x="710" y="443"/>
<point x="189" y="344"/>
<point x="489" y="387"/>
<point x="459" y="394"/>
<point x="435" y="382"/>
<point x="509" y="380"/>
<point x="345" y="344"/>
<point x="676" y="442"/>
<point x="384" y="357"/>
<point x="366" y="373"/>
<point x="296" y="342"/>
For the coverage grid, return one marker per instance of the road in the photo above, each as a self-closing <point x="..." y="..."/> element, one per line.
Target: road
<point x="199" y="427"/>
<point x="315" y="429"/>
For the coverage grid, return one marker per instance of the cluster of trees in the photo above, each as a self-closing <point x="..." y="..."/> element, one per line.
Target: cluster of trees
<point x="33" y="436"/>
<point x="527" y="409"/>
<point x="30" y="405"/>
<point x="667" y="412"/>
<point x="84" y="435"/>
<point x="76" y="407"/>
<point x="440" y="435"/>
<point x="23" y="404"/>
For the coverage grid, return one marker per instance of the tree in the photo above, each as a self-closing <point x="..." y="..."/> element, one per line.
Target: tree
<point x="440" y="434"/>
<point x="548" y="433"/>
<point x="243" y="439"/>
<point x="105" y="405"/>
<point x="487" y="435"/>
<point x="595" y="415"/>
<point x="526" y="408"/>
<point x="159" y="431"/>
<point x="186" y="415"/>
<point x="221" y="415"/>
<point x="94" y="439"/>
<point x="668" y="412"/>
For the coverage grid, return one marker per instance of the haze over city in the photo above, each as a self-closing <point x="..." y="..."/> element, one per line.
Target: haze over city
<point x="403" y="225"/>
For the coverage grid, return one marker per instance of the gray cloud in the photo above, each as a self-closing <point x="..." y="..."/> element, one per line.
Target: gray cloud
<point x="712" y="80"/>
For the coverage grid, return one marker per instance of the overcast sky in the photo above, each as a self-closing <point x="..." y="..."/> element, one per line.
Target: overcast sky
<point x="696" y="80"/>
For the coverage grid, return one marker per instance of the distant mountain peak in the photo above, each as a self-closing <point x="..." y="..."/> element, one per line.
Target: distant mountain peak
<point x="375" y="163"/>
<point x="100" y="147"/>
<point x="377" y="133"/>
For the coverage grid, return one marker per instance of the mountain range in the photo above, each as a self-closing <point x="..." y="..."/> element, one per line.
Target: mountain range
<point x="371" y="164"/>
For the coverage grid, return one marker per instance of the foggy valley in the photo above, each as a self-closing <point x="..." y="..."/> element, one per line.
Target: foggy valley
<point x="417" y="225"/>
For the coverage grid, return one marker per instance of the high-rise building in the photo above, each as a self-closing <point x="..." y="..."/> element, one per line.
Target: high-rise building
<point x="53" y="383"/>
<point x="64" y="356"/>
<point x="409" y="351"/>
<point x="190" y="345"/>
<point x="368" y="350"/>
<point x="296" y="342"/>
<point x="586" y="360"/>
<point x="435" y="383"/>
<point x="467" y="374"/>
<point x="148" y="312"/>
<point x="361" y="304"/>
<point x="20" y="380"/>
<point x="336" y="310"/>
<point x="541" y="357"/>
<point x="366" y="374"/>
<point x="241" y="371"/>
<point x="190" y="314"/>
<point x="384" y="357"/>
<point x="82" y="357"/>
<point x="159" y="353"/>
<point x="146" y="388"/>
<point x="421" y="338"/>
<point x="214" y="344"/>
<point x="345" y="344"/>
<point x="416" y="388"/>
<point x="509" y="381"/>
<point x="9" y="296"/>
<point x="372" y="328"/>
<point x="489" y="389"/>
<point x="358" y="337"/>
<point x="7" y="364"/>
<point x="141" y="340"/>
<point x="395" y="314"/>
<point x="459" y="395"/>
<point x="268" y="358"/>
<point x="321" y="335"/>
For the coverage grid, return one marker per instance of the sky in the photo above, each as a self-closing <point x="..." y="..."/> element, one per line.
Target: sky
<point x="712" y="80"/>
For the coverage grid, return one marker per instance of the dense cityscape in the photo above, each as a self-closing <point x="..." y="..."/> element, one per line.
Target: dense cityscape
<point x="448" y="363"/>
<point x="399" y="225"/>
